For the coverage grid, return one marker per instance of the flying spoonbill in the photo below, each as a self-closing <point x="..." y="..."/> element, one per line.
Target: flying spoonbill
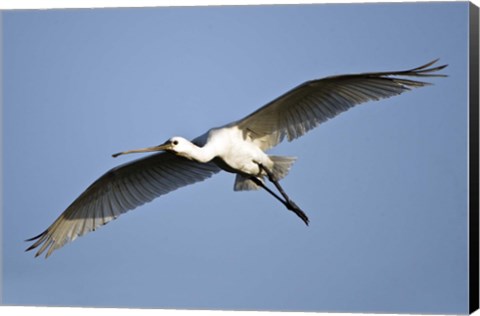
<point x="238" y="147"/>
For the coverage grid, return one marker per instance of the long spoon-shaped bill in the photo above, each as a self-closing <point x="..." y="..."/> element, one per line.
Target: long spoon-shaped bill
<point x="165" y="146"/>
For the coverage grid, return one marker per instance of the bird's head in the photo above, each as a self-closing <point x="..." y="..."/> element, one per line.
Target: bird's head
<point x="177" y="145"/>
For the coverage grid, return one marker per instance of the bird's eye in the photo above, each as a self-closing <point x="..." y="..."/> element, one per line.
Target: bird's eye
<point x="175" y="142"/>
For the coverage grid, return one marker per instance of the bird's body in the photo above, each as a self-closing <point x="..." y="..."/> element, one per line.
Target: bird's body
<point x="239" y="147"/>
<point x="231" y="151"/>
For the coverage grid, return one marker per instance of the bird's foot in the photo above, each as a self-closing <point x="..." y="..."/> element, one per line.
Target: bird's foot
<point x="294" y="208"/>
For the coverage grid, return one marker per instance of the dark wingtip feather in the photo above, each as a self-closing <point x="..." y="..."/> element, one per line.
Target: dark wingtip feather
<point x="29" y="248"/>
<point x="426" y="65"/>
<point x="425" y="71"/>
<point x="35" y="245"/>
<point x="36" y="237"/>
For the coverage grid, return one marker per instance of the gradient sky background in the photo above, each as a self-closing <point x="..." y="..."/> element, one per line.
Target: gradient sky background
<point x="385" y="184"/>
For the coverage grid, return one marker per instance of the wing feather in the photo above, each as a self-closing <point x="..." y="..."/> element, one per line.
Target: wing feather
<point x="303" y="108"/>
<point x="119" y="190"/>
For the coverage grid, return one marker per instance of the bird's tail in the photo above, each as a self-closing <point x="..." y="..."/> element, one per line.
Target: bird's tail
<point x="244" y="184"/>
<point x="281" y="167"/>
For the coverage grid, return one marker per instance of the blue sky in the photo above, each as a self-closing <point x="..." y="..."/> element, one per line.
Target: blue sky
<point x="385" y="184"/>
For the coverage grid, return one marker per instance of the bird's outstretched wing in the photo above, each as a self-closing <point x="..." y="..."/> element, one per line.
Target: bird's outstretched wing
<point x="313" y="102"/>
<point x="119" y="190"/>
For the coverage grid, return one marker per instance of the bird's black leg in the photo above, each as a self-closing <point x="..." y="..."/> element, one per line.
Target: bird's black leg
<point x="289" y="204"/>
<point x="261" y="184"/>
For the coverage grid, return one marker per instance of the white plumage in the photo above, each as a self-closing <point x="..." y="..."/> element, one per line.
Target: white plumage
<point x="238" y="147"/>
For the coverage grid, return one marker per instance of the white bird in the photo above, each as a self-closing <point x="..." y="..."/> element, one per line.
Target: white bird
<point x="238" y="147"/>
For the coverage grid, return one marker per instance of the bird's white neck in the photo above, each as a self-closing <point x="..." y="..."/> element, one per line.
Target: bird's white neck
<point x="200" y="154"/>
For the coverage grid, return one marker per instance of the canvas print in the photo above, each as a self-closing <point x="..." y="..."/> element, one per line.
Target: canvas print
<point x="276" y="157"/>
